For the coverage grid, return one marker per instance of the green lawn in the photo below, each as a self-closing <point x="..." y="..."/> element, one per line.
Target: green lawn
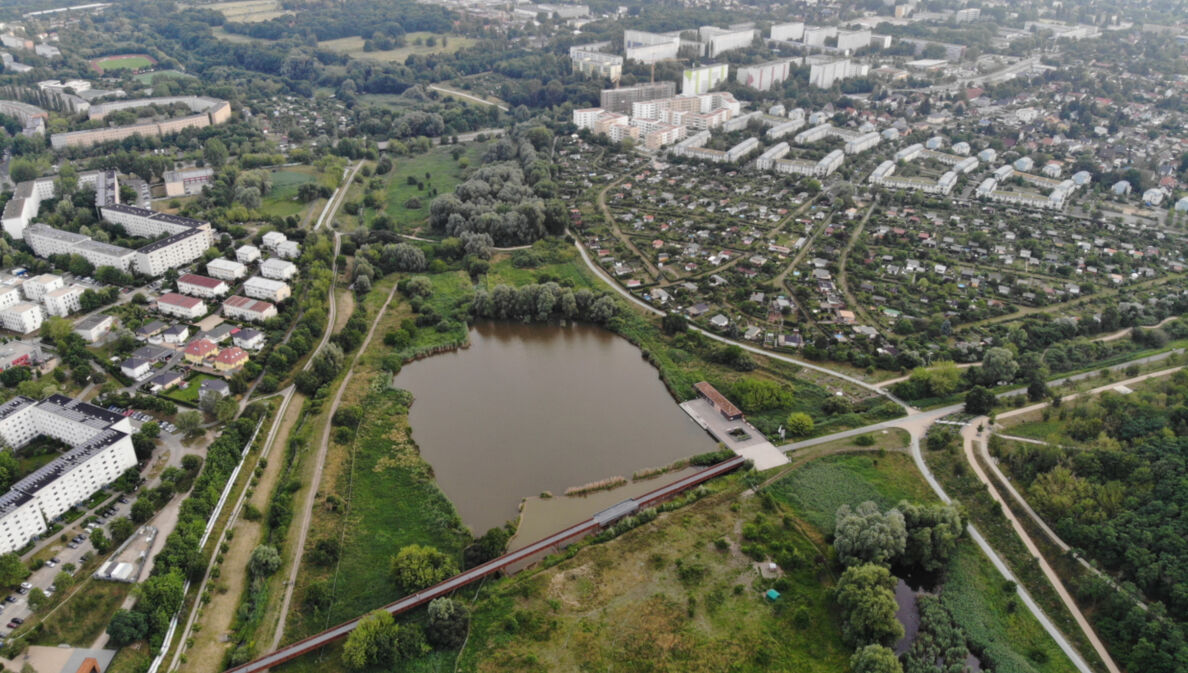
<point x="281" y="200"/>
<point x="820" y="487"/>
<point x="188" y="393"/>
<point x="444" y="175"/>
<point x="353" y="46"/>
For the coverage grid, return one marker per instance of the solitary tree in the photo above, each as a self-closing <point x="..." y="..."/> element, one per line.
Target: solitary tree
<point x="979" y="401"/>
<point x="127" y="627"/>
<point x="799" y="424"/>
<point x="265" y="560"/>
<point x="373" y="642"/>
<point x="188" y="422"/>
<point x="932" y="535"/>
<point x="415" y="567"/>
<point x="13" y="571"/>
<point x="999" y="365"/>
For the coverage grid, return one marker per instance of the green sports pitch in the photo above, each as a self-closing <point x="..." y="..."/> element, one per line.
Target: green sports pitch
<point x="127" y="62"/>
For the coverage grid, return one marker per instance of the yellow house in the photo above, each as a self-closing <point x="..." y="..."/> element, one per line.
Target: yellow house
<point x="199" y="349"/>
<point x="231" y="358"/>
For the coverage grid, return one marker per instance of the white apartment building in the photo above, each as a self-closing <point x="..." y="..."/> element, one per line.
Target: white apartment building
<point x="246" y="254"/>
<point x="702" y="80"/>
<point x="175" y="251"/>
<point x="288" y="249"/>
<point x="201" y="286"/>
<point x="23" y="317"/>
<point x="768" y="158"/>
<point x="38" y="286"/>
<point x="273" y="239"/>
<point x="863" y="142"/>
<point x="264" y="288"/>
<point x="189" y="308"/>
<point x="9" y="295"/>
<point x="102" y="451"/>
<point x="278" y="269"/>
<point x="64" y="301"/>
<point x="244" y="308"/>
<point x="225" y="269"/>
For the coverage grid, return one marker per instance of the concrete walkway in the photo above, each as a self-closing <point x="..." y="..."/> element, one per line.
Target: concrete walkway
<point x="754" y="448"/>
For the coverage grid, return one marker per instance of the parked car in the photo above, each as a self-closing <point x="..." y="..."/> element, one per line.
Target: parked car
<point x="72" y="545"/>
<point x="10" y="599"/>
<point x="56" y="559"/>
<point x="18" y="620"/>
<point x="50" y="564"/>
<point x="26" y="585"/>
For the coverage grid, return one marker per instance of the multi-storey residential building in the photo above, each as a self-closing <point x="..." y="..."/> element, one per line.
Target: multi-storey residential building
<point x="764" y="76"/>
<point x="225" y="269"/>
<point x="172" y="303"/>
<point x="702" y="80"/>
<point x="620" y="100"/>
<point x="201" y="286"/>
<point x="647" y="47"/>
<point x="198" y="350"/>
<point x="272" y="239"/>
<point x="38" y="286"/>
<point x="265" y="288"/>
<point x="209" y="111"/>
<point x="172" y="252"/>
<point x="101" y="450"/>
<point x="288" y="250"/>
<point x="23" y="317"/>
<point x="246" y="254"/>
<point x="64" y="300"/>
<point x="9" y="295"/>
<point x="244" y="308"/>
<point x="278" y="269"/>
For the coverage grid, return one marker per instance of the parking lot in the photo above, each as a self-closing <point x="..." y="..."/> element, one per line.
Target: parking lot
<point x="77" y="548"/>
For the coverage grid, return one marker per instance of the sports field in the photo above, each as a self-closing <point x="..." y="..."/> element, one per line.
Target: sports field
<point x="122" y="62"/>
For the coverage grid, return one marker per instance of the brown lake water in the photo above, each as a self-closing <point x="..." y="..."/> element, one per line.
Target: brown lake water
<point x="532" y="408"/>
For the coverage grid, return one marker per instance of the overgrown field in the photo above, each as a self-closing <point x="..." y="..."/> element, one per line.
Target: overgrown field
<point x="676" y="594"/>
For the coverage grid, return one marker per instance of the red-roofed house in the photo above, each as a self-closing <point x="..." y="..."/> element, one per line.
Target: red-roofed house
<point x="172" y="303"/>
<point x="201" y="286"/>
<point x="230" y="358"/>
<point x="245" y="308"/>
<point x="199" y="349"/>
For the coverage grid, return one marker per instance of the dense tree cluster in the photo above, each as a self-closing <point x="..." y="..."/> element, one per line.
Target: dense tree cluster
<point x="1119" y="496"/>
<point x="543" y="302"/>
<point x="505" y="198"/>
